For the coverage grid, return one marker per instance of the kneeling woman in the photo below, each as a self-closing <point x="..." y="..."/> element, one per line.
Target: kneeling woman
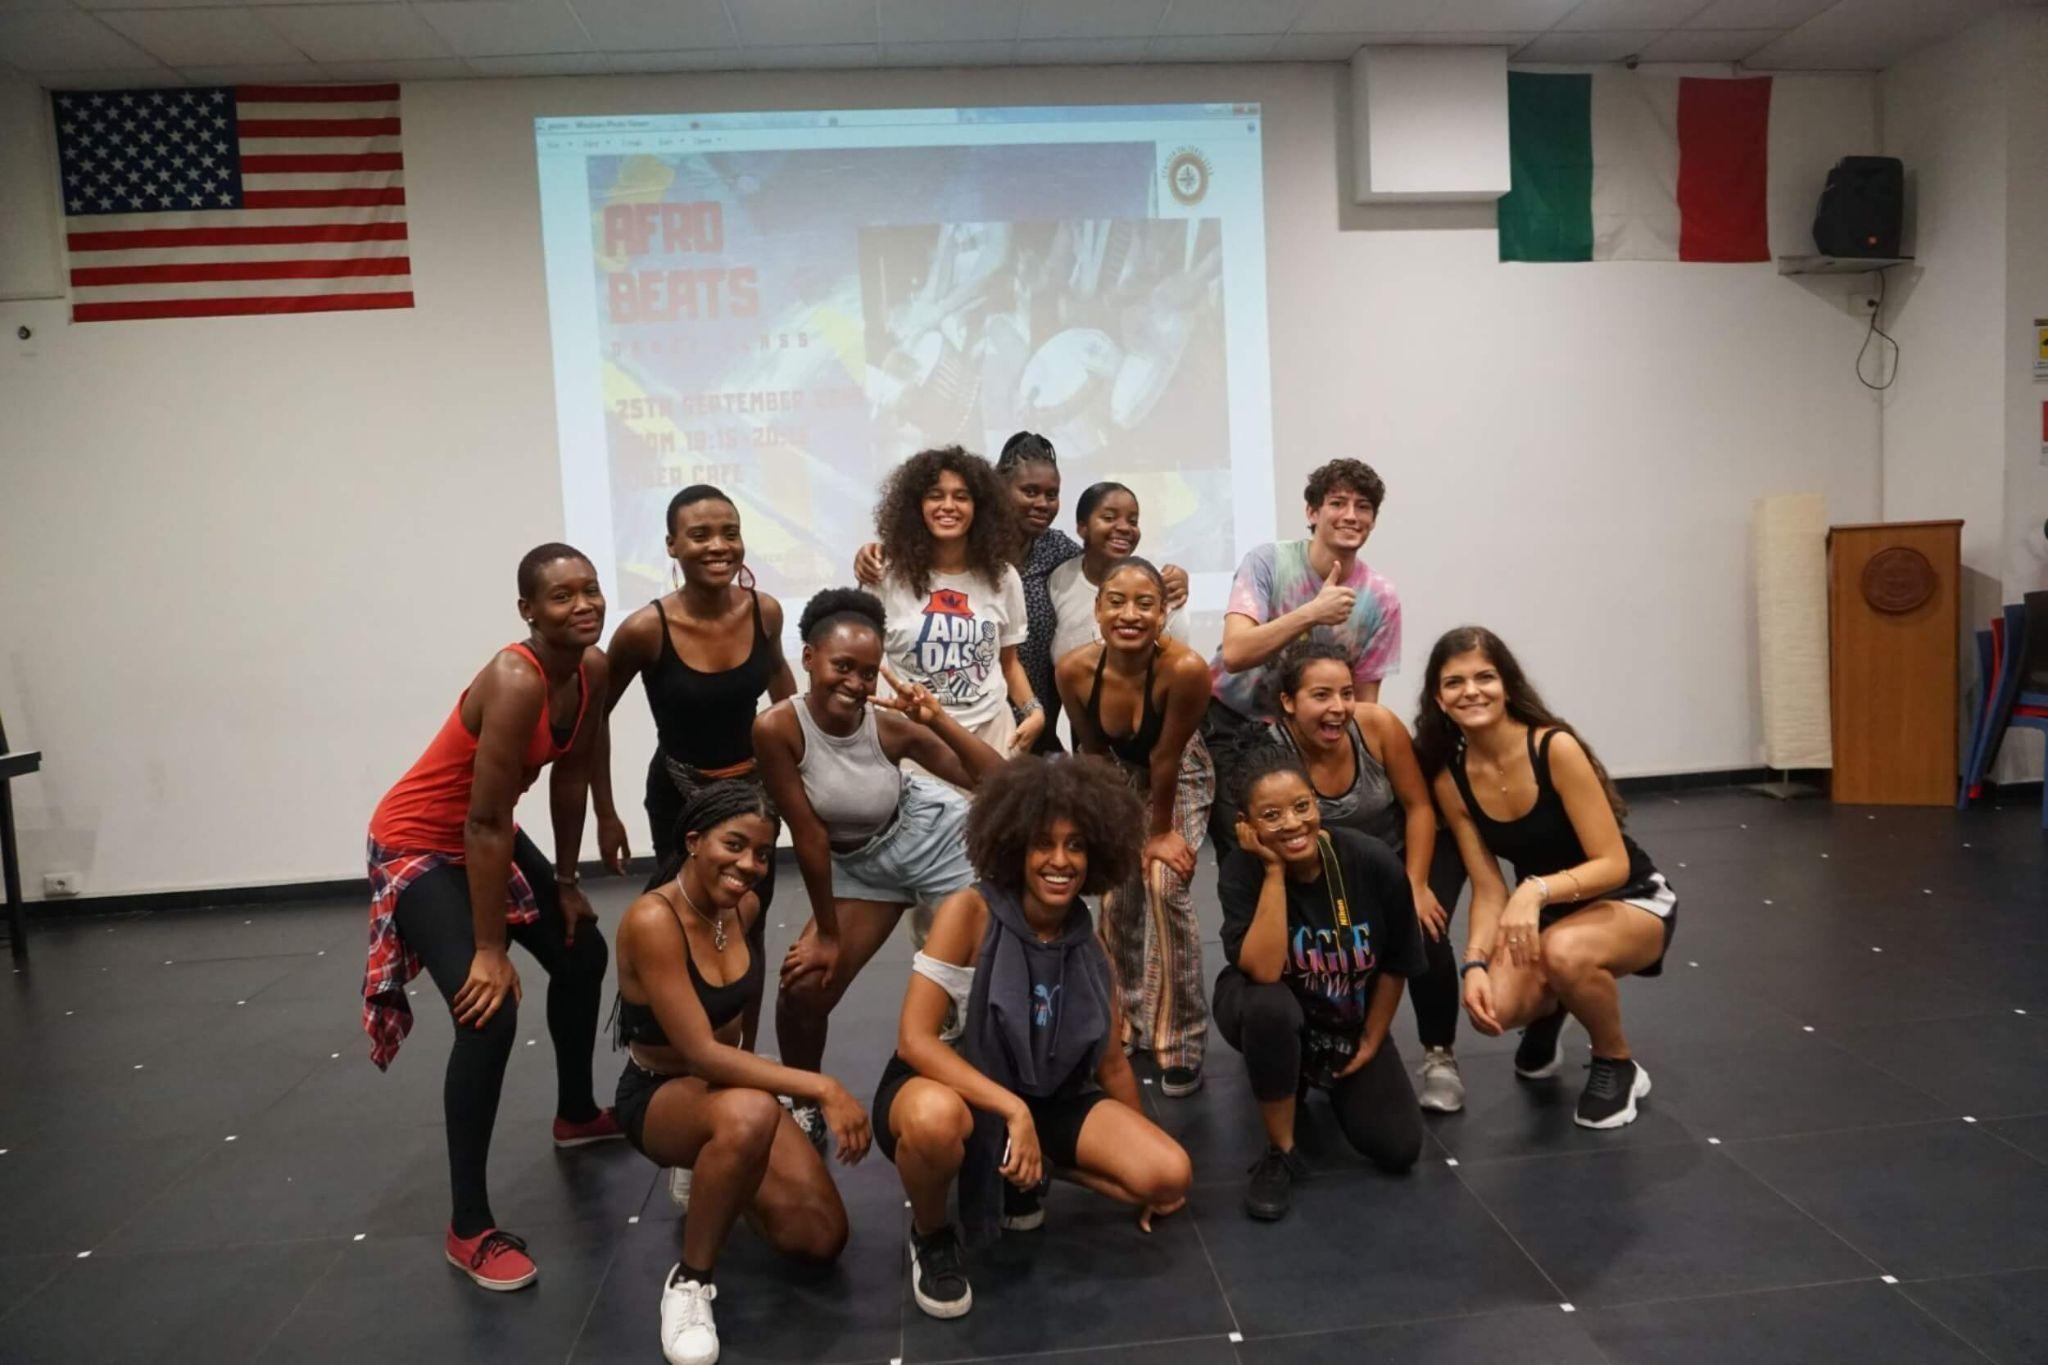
<point x="1036" y="1086"/>
<point x="1319" y="926"/>
<point x="1588" y="907"/>
<point x="691" y="1096"/>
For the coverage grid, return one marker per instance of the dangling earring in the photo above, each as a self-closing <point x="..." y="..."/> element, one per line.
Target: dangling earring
<point x="675" y="576"/>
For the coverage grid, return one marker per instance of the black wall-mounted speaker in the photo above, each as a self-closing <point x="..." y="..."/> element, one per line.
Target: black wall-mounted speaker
<point x="1862" y="209"/>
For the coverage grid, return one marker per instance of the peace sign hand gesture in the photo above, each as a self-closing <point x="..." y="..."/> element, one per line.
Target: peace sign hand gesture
<point x="912" y="700"/>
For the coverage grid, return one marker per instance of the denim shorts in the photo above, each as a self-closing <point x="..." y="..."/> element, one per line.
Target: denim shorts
<point x="920" y="855"/>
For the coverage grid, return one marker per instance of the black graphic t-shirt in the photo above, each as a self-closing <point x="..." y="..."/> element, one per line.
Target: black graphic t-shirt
<point x="1332" y="968"/>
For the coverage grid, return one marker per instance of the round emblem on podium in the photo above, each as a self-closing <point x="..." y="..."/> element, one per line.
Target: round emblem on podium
<point x="1897" y="580"/>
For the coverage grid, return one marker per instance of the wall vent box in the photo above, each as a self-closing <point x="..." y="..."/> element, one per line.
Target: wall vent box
<point x="1430" y="124"/>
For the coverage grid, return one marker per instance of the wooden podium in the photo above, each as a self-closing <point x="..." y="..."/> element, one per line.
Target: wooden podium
<point x="1894" y="601"/>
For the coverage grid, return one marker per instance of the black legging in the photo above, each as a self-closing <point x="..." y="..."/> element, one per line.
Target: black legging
<point x="433" y="918"/>
<point x="1436" y="993"/>
<point x="1375" y="1104"/>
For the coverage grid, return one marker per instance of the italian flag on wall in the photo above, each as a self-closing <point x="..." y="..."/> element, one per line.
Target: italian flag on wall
<point x="1619" y="166"/>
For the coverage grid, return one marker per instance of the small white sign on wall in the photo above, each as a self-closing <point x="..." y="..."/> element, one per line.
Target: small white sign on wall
<point x="2041" y="348"/>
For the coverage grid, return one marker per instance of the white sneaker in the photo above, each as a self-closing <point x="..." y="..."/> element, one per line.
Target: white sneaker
<point x="679" y="1187"/>
<point x="688" y="1335"/>
<point x="1443" y="1089"/>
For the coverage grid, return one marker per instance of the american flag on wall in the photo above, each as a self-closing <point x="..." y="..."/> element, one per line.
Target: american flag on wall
<point x="216" y="200"/>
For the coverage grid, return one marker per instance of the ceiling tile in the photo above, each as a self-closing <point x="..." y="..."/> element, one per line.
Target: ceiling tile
<point x="203" y="37"/>
<point x="263" y="73"/>
<point x="1498" y="16"/>
<point x="949" y="21"/>
<point x="541" y="64"/>
<point x="395" y="69"/>
<point x="692" y="59"/>
<point x="805" y="23"/>
<point x="110" y="4"/>
<point x="120" y="78"/>
<point x="1212" y="47"/>
<point x="1327" y="47"/>
<point x="494" y="28"/>
<point x="1511" y="41"/>
<point x="823" y="57"/>
<point x="1091" y="18"/>
<point x="949" y="54"/>
<point x="662" y="25"/>
<point x="45" y="42"/>
<point x="1757" y="13"/>
<point x="355" y="33"/>
<point x="1707" y="44"/>
<point x="1231" y="16"/>
<point x="1584" y="47"/>
<point x="1367" y="16"/>
<point x="1869" y="35"/>
<point x="39" y="6"/>
<point x="1080" y="51"/>
<point x="1636" y="14"/>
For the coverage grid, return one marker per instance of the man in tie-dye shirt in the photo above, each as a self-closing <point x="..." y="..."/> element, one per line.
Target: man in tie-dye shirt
<point x="1284" y="591"/>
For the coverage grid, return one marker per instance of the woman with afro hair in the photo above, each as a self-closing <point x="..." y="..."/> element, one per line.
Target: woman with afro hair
<point x="1028" y="1084"/>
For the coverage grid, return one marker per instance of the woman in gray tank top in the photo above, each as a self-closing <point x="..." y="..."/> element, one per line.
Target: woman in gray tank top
<point x="1362" y="767"/>
<point x="870" y="839"/>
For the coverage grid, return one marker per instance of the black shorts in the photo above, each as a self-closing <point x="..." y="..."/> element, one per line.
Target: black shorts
<point x="1652" y="896"/>
<point x="1058" y="1120"/>
<point x="629" y="1105"/>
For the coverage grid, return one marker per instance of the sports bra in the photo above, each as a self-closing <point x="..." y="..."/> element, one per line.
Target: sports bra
<point x="1132" y="750"/>
<point x="425" y="811"/>
<point x="707" y="719"/>
<point x="635" y="1023"/>
<point x="1543" y="841"/>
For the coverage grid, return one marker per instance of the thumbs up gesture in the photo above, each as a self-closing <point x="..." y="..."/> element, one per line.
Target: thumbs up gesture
<point x="1332" y="606"/>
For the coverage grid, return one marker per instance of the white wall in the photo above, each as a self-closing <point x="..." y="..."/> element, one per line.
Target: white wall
<point x="2026" y="216"/>
<point x="251" y="562"/>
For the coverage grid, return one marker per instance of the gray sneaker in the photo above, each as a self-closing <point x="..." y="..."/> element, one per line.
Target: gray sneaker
<point x="1443" y="1089"/>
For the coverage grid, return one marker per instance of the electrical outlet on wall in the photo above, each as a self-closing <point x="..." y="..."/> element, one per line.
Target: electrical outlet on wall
<point x="62" y="883"/>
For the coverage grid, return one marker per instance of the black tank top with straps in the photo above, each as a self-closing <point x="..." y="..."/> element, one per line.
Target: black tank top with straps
<point x="707" y="719"/>
<point x="1543" y="841"/>
<point x="1133" y="750"/>
<point x="635" y="1023"/>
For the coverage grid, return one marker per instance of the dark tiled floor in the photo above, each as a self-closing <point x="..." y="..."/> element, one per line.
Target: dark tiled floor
<point x="1845" y="1157"/>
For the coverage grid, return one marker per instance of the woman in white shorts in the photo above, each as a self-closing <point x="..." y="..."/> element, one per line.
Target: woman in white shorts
<point x="871" y="839"/>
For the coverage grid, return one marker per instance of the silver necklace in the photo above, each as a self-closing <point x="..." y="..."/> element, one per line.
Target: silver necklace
<point x="717" y="925"/>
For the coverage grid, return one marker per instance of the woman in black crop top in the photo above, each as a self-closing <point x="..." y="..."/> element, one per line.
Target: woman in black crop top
<point x="705" y="653"/>
<point x="1516" y="782"/>
<point x="1138" y="696"/>
<point x="691" y="1095"/>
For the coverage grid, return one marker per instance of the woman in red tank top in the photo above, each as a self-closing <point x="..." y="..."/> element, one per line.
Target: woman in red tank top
<point x="454" y="882"/>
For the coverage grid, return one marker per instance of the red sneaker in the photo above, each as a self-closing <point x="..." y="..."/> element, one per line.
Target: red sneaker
<point x="603" y="1128"/>
<point x="495" y="1260"/>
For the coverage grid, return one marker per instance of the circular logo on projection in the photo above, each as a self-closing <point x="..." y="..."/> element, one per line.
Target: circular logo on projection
<point x="1187" y="177"/>
<point x="1898" y="580"/>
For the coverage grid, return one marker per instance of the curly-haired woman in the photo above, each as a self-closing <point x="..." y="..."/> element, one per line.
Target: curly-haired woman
<point x="1588" y="908"/>
<point x="1030" y="1084"/>
<point x="954" y="600"/>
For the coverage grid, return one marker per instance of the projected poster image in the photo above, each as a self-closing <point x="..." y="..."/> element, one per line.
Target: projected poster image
<point x="789" y="321"/>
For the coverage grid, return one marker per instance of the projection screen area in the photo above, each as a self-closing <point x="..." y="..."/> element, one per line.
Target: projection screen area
<point x="787" y="304"/>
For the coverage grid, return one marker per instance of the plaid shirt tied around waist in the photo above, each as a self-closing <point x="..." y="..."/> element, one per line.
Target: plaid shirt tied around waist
<point x="387" y="1018"/>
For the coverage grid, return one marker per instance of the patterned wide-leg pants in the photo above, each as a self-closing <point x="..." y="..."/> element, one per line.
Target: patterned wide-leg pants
<point x="1153" y="940"/>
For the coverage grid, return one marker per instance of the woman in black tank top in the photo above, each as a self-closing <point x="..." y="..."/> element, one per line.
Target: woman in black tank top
<point x="1138" y="696"/>
<point x="691" y="1096"/>
<point x="703" y="710"/>
<point x="1516" y="782"/>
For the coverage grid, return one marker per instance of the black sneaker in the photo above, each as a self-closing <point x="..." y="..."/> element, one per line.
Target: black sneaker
<point x="1023" y="1210"/>
<point x="1611" y="1093"/>
<point x="938" y="1275"/>
<point x="1268" y="1195"/>
<point x="811" y="1119"/>
<point x="1178" y="1081"/>
<point x="1540" y="1056"/>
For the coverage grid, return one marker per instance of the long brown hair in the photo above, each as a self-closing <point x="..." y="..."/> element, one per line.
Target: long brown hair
<point x="1437" y="736"/>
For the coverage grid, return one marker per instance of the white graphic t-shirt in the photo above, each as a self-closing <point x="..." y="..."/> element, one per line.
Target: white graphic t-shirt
<point x="950" y="639"/>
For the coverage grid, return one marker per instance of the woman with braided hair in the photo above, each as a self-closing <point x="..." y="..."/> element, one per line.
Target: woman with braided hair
<point x="691" y="1095"/>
